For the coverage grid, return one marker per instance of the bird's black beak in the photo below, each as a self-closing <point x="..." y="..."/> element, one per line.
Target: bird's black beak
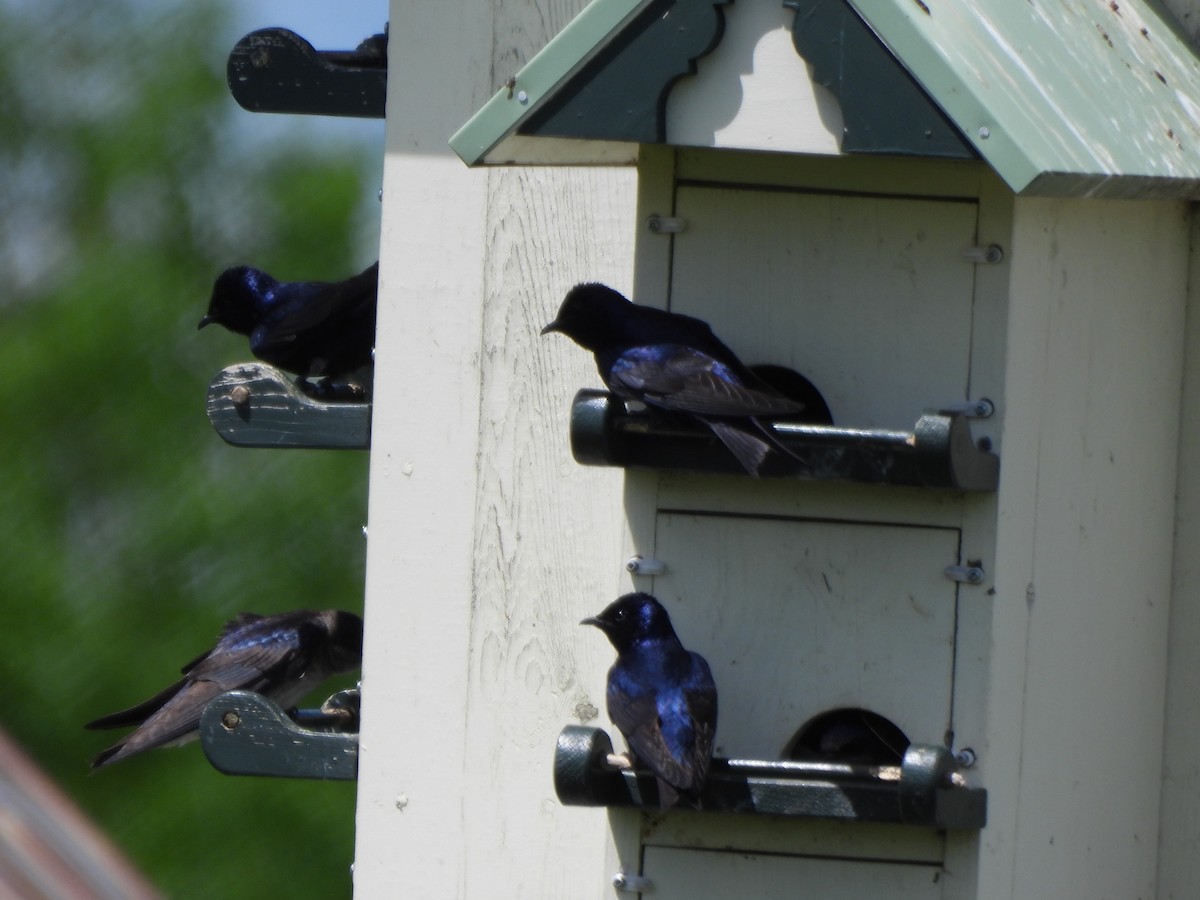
<point x="207" y="320"/>
<point x="553" y="326"/>
<point x="592" y="620"/>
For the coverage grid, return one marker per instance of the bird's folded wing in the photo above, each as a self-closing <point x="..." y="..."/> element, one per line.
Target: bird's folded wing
<point x="639" y="721"/>
<point x="136" y="715"/>
<point x="309" y="318"/>
<point x="247" y="666"/>
<point x="178" y="718"/>
<point x="702" y="705"/>
<point x="689" y="381"/>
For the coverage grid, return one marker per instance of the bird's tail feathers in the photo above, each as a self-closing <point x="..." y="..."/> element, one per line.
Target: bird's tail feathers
<point x="671" y="797"/>
<point x="749" y="449"/>
<point x="772" y="439"/>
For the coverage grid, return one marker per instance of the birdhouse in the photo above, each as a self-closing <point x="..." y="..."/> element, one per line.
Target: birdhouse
<point x="969" y="228"/>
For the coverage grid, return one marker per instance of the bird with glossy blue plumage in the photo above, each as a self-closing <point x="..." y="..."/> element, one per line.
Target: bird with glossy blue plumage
<point x="283" y="657"/>
<point x="676" y="363"/>
<point x="309" y="328"/>
<point x="660" y="695"/>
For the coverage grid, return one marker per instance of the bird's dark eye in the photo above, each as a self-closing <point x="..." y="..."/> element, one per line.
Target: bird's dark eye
<point x="620" y="615"/>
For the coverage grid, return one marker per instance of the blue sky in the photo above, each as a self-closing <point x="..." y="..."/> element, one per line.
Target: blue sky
<point x="327" y="25"/>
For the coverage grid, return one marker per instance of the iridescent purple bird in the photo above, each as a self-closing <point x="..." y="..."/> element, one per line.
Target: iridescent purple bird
<point x="308" y="328"/>
<point x="283" y="657"/>
<point x="675" y="363"/>
<point x="661" y="696"/>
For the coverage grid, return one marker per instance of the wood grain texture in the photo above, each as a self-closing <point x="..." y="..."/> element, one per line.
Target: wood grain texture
<point x="547" y="533"/>
<point x="488" y="544"/>
<point x="256" y="405"/>
<point x="408" y="835"/>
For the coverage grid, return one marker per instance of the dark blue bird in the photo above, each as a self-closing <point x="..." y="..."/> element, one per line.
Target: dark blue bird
<point x="675" y="362"/>
<point x="309" y="328"/>
<point x="660" y="695"/>
<point x="283" y="657"/>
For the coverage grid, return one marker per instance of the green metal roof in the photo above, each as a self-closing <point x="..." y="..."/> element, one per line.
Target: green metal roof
<point x="478" y="141"/>
<point x="1060" y="97"/>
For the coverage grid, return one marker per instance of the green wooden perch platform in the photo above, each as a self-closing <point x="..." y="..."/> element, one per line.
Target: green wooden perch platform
<point x="256" y="405"/>
<point x="938" y="453"/>
<point x="925" y="789"/>
<point x="244" y="733"/>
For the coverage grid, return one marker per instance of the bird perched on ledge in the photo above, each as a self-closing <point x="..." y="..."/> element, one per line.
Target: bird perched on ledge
<point x="660" y="695"/>
<point x="675" y="363"/>
<point x="283" y="657"/>
<point x="308" y="328"/>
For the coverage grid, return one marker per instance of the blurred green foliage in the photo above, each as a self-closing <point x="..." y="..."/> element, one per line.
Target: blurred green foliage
<point x="130" y="532"/>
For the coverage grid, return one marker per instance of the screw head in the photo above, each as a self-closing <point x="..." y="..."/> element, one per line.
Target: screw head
<point x="230" y="720"/>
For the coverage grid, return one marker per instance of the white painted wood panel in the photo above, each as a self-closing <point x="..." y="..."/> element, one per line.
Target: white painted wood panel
<point x="755" y="91"/>
<point x="422" y="481"/>
<point x="1178" y="861"/>
<point x="776" y="835"/>
<point x="796" y="618"/>
<point x="548" y="536"/>
<point x="1083" y="549"/>
<point x="487" y="542"/>
<point x="690" y="874"/>
<point x="869" y="297"/>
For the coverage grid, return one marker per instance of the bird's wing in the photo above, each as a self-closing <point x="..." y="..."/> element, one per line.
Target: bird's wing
<point x="680" y="378"/>
<point x="253" y="658"/>
<point x="176" y="721"/>
<point x="136" y="715"/>
<point x="702" y="708"/>
<point x="662" y="742"/>
<point x="305" y="311"/>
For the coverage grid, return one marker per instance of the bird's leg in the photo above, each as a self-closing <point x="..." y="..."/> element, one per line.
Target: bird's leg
<point x="329" y="389"/>
<point x="306" y="386"/>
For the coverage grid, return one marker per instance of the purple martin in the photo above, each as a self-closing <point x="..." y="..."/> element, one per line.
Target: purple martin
<point x="308" y="328"/>
<point x="674" y="362"/>
<point x="282" y="657"/>
<point x="660" y="695"/>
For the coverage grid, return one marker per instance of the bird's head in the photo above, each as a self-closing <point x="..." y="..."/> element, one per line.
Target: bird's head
<point x="236" y="299"/>
<point x="630" y="618"/>
<point x="590" y="315"/>
<point x="345" y="631"/>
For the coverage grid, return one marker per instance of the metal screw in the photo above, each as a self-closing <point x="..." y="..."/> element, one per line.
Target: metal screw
<point x="984" y="132"/>
<point x="230" y="720"/>
<point x="965" y="757"/>
<point x="240" y="395"/>
<point x="522" y="97"/>
<point x="984" y="408"/>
